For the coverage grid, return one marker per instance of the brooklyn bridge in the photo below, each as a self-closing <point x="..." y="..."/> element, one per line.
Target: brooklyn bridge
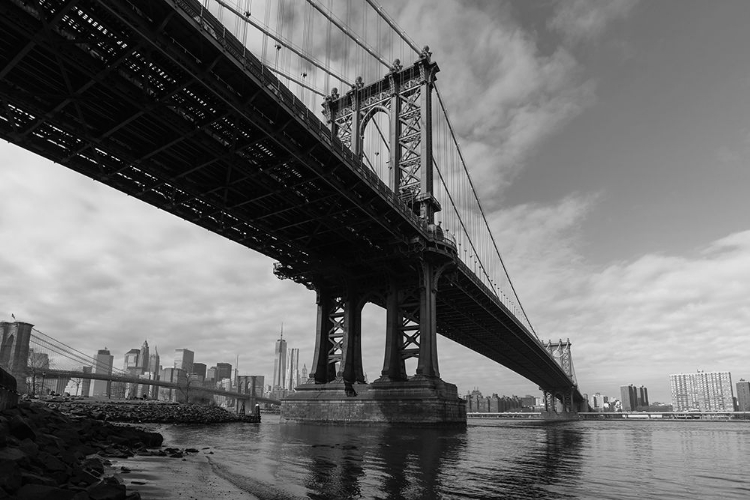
<point x="211" y="111"/>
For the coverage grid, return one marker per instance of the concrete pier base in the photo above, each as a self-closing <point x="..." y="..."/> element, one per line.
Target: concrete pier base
<point x="418" y="401"/>
<point x="562" y="416"/>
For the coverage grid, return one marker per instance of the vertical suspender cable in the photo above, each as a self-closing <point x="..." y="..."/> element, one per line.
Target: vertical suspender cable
<point x="484" y="217"/>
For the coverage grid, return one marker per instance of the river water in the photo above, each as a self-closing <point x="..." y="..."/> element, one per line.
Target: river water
<point x="488" y="459"/>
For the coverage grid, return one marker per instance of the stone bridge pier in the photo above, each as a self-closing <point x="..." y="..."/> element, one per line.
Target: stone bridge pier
<point x="336" y="391"/>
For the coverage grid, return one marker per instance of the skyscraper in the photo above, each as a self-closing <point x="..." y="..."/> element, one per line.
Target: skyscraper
<point x="292" y="373"/>
<point x="102" y="365"/>
<point x="743" y="395"/>
<point x="154" y="362"/>
<point x="200" y="369"/>
<point x="183" y="359"/>
<point x="629" y="397"/>
<point x="702" y="391"/>
<point x="279" y="363"/>
<point x="131" y="359"/>
<point x="643" y="397"/>
<point x="223" y="370"/>
<point x="143" y="358"/>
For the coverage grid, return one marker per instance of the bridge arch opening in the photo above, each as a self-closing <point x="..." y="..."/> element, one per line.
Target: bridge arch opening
<point x="373" y="340"/>
<point x="375" y="136"/>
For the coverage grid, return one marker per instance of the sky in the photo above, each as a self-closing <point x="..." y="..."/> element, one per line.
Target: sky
<point x="609" y="140"/>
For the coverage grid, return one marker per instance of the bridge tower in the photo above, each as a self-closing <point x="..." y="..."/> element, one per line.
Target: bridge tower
<point x="14" y="350"/>
<point x="336" y="389"/>
<point x="559" y="402"/>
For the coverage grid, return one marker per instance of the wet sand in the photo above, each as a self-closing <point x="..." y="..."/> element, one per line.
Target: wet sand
<point x="175" y="478"/>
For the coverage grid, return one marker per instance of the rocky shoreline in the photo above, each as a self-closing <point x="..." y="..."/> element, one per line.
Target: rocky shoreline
<point x="62" y="451"/>
<point x="149" y="412"/>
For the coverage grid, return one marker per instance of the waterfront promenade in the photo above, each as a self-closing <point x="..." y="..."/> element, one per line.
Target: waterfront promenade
<point x="615" y="416"/>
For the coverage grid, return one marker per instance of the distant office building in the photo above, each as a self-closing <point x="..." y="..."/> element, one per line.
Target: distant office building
<point x="200" y="369"/>
<point x="183" y="359"/>
<point x="279" y="364"/>
<point x="596" y="401"/>
<point x="211" y="374"/>
<point x="102" y="365"/>
<point x="304" y="374"/>
<point x="154" y="362"/>
<point x="223" y="370"/>
<point x="292" y="372"/>
<point x="629" y="397"/>
<point x="131" y="359"/>
<point x="643" y="397"/>
<point x="143" y="358"/>
<point x="702" y="391"/>
<point x="743" y="395"/>
<point x="177" y="376"/>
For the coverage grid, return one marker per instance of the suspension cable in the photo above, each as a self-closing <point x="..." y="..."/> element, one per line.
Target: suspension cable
<point x="394" y="26"/>
<point x="481" y="210"/>
<point x="348" y="33"/>
<point x="286" y="43"/>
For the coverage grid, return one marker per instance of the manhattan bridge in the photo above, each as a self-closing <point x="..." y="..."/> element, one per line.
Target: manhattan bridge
<point x="313" y="132"/>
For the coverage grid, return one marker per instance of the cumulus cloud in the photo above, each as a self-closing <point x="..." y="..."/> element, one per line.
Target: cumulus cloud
<point x="94" y="268"/>
<point x="584" y="20"/>
<point x="504" y="96"/>
<point x="633" y="321"/>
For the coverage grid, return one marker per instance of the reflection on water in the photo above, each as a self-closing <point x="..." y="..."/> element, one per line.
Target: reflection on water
<point x="489" y="459"/>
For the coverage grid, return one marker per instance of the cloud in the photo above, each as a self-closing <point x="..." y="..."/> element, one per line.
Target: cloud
<point x="634" y="321"/>
<point x="504" y="97"/>
<point x="584" y="20"/>
<point x="94" y="268"/>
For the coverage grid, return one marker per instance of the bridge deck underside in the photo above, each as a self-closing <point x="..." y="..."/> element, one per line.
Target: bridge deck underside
<point x="142" y="97"/>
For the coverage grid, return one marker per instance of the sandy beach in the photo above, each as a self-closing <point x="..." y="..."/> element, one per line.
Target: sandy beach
<point x="191" y="477"/>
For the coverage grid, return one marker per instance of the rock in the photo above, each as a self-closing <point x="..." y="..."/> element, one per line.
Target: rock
<point x="10" y="475"/>
<point x="50" y="462"/>
<point x="93" y="464"/>
<point x="20" y="429"/>
<point x="107" y="491"/>
<point x="41" y="492"/>
<point x="29" y="478"/>
<point x="29" y="447"/>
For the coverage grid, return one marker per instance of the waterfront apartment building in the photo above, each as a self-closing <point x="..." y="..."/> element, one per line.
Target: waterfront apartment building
<point x="643" y="397"/>
<point x="629" y="397"/>
<point x="743" y="395"/>
<point x="702" y="391"/>
<point x="183" y="359"/>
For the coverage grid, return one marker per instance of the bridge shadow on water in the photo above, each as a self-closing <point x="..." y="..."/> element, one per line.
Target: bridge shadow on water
<point x="496" y="460"/>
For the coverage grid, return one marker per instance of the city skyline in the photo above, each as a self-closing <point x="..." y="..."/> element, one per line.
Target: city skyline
<point x="609" y="150"/>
